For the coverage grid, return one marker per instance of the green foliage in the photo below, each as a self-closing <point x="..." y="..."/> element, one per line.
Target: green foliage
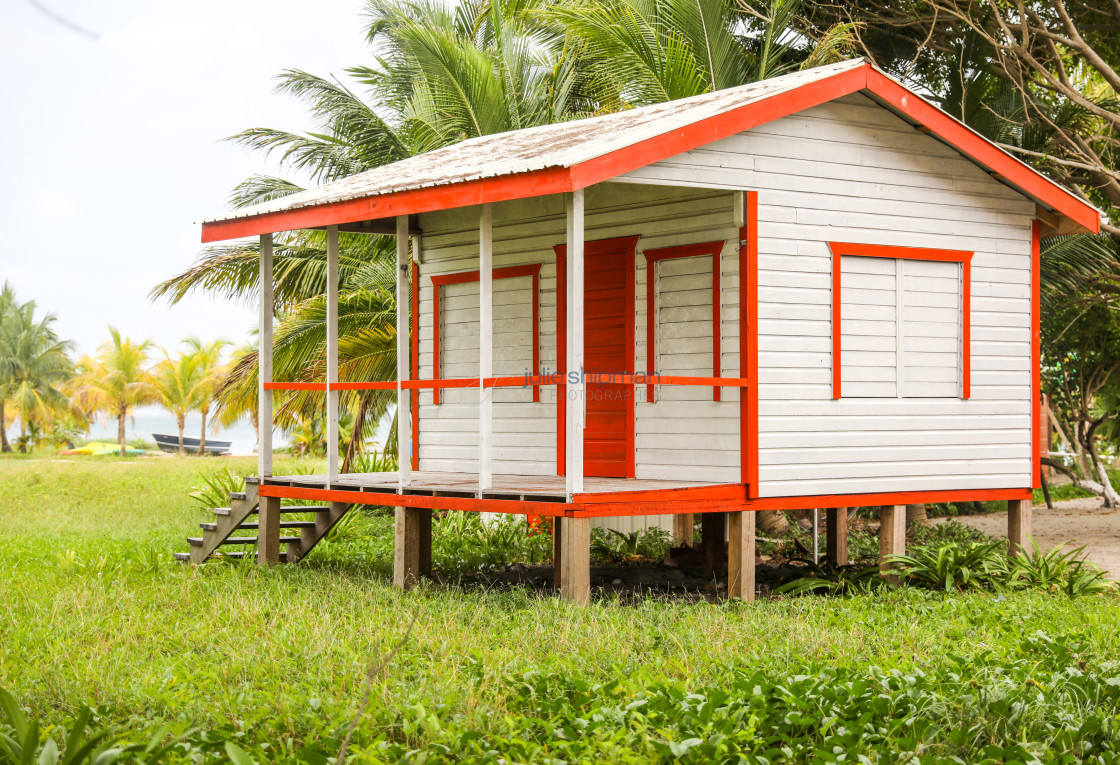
<point x="462" y="542"/>
<point x="953" y="567"/>
<point x="831" y="579"/>
<point x="611" y="546"/>
<point x="217" y="484"/>
<point x="1057" y="569"/>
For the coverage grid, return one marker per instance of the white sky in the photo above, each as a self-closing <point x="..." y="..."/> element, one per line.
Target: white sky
<point x="111" y="147"/>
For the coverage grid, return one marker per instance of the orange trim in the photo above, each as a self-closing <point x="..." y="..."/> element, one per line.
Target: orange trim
<point x="701" y="499"/>
<point x="555" y="180"/>
<point x="631" y="404"/>
<point x="748" y="343"/>
<point x="463" y="277"/>
<point x="712" y="249"/>
<point x="885" y="498"/>
<point x="298" y="386"/>
<point x="415" y="364"/>
<point x="391" y="499"/>
<point x="1036" y="350"/>
<point x="964" y="257"/>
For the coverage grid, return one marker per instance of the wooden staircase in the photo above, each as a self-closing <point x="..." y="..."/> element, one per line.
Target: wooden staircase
<point x="299" y="537"/>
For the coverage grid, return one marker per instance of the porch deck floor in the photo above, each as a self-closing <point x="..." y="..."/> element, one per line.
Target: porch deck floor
<point x="517" y="487"/>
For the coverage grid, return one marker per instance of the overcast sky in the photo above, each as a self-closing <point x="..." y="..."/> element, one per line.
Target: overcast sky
<point x="111" y="146"/>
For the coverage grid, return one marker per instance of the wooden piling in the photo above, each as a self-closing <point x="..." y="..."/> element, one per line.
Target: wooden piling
<point x="1020" y="514"/>
<point x="836" y="531"/>
<point x="557" y="551"/>
<point x="683" y="530"/>
<point x="268" y="531"/>
<point x="892" y="537"/>
<point x="712" y="540"/>
<point x="740" y="563"/>
<point x="409" y="541"/>
<point x="575" y="568"/>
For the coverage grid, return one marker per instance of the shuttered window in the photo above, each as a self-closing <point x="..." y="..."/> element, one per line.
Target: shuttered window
<point x="902" y="331"/>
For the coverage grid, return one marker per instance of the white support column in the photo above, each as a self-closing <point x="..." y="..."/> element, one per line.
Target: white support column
<point x="485" y="347"/>
<point x="332" y="352"/>
<point x="404" y="408"/>
<point x="264" y="362"/>
<point x="577" y="389"/>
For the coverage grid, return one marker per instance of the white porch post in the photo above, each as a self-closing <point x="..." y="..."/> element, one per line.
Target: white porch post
<point x="577" y="399"/>
<point x="264" y="363"/>
<point x="332" y="352"/>
<point x="404" y="409"/>
<point x="485" y="346"/>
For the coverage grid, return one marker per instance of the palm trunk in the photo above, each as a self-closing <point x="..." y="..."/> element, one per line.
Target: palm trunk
<point x="181" y="420"/>
<point x="4" y="445"/>
<point x="122" y="412"/>
<point x="773" y="523"/>
<point x="202" y="440"/>
<point x="916" y="515"/>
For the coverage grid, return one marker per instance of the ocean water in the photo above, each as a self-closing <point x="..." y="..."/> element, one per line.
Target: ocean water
<point x="152" y="419"/>
<point x="147" y="420"/>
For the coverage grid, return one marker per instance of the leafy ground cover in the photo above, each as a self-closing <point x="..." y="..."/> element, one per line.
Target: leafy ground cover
<point x="270" y="665"/>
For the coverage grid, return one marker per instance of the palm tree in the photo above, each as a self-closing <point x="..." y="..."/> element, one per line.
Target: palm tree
<point x="176" y="382"/>
<point x="211" y="371"/>
<point x="114" y="381"/>
<point x="34" y="362"/>
<point x="7" y="309"/>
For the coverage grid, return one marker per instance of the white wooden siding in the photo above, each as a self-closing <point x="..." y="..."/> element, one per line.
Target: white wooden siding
<point x="851" y="171"/>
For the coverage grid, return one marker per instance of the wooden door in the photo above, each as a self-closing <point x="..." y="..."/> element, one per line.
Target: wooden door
<point x="608" y="439"/>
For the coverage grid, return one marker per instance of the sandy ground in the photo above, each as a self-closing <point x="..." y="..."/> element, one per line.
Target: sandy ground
<point x="1073" y="522"/>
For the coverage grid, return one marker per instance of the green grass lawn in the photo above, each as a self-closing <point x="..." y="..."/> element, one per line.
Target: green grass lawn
<point x="93" y="612"/>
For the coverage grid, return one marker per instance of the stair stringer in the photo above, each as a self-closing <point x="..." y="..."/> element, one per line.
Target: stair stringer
<point x="241" y="506"/>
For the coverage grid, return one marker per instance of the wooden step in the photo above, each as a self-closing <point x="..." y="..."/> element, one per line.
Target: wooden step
<point x="284" y="509"/>
<point x="237" y="495"/>
<point x="186" y="557"/>
<point x="252" y="480"/>
<point x="197" y="541"/>
<point x="283" y="525"/>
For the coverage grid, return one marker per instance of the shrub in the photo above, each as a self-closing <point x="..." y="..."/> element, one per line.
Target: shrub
<point x="611" y="546"/>
<point x="954" y="566"/>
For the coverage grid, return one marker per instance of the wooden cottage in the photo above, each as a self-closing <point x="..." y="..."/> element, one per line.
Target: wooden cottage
<point x="816" y="291"/>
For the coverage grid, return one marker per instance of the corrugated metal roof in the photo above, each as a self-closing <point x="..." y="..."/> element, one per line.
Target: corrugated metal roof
<point x="564" y="144"/>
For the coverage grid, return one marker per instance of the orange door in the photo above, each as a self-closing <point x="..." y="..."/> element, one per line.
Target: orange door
<point x="608" y="446"/>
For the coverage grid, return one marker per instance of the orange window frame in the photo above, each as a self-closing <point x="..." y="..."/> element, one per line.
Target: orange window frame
<point x="964" y="257"/>
<point x="463" y="277"/>
<point x="656" y="255"/>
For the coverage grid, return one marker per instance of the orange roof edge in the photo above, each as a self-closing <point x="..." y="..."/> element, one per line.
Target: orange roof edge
<point x="553" y="180"/>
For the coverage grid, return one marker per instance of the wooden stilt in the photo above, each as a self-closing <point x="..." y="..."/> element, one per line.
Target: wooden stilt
<point x="575" y="567"/>
<point x="712" y="539"/>
<point x="892" y="537"/>
<point x="557" y="551"/>
<point x="1019" y="517"/>
<point x="268" y="532"/>
<point x="683" y="530"/>
<point x="425" y="521"/>
<point x="836" y="529"/>
<point x="740" y="554"/>
<point x="408" y="540"/>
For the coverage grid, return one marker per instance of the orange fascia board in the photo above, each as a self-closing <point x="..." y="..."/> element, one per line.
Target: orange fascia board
<point x="556" y="180"/>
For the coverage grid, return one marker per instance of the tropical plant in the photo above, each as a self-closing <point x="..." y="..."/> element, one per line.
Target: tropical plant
<point x="1082" y="379"/>
<point x="176" y="382"/>
<point x="642" y="52"/>
<point x="1057" y="569"/>
<point x="613" y="546"/>
<point x="216" y="487"/>
<point x="34" y="362"/>
<point x="211" y="373"/>
<point x="831" y="579"/>
<point x="113" y="382"/>
<point x="953" y="567"/>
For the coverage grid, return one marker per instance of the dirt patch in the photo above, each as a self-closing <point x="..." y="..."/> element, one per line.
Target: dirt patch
<point x="1074" y="523"/>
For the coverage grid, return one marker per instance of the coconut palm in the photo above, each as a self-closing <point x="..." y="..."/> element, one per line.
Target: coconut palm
<point x="211" y="372"/>
<point x="34" y="362"/>
<point x="7" y="307"/>
<point x="114" y="382"/>
<point x="176" y="382"/>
